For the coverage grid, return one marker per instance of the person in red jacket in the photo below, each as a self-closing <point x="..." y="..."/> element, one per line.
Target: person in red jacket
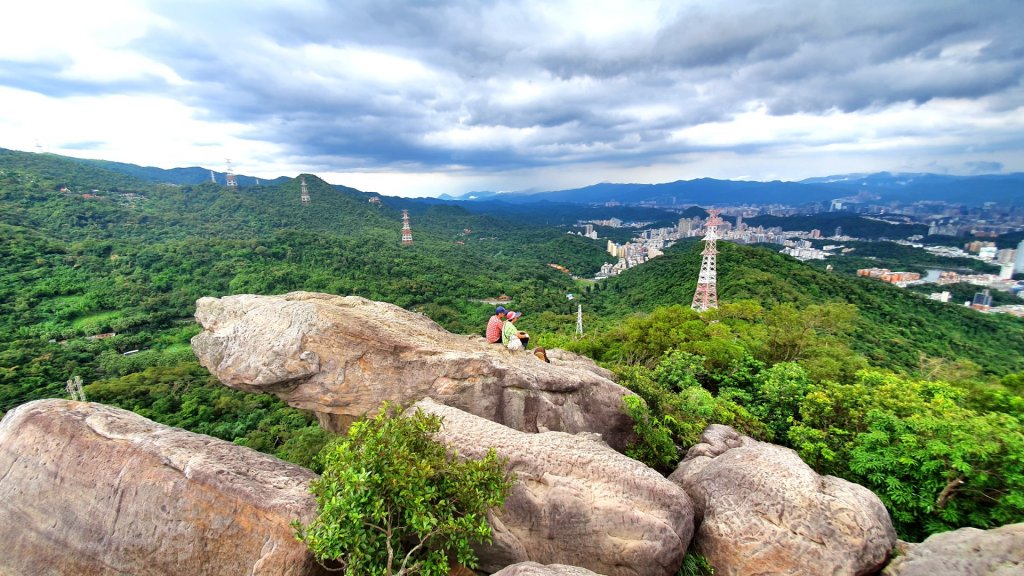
<point x="494" y="325"/>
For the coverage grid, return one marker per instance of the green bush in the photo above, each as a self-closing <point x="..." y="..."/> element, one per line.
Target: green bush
<point x="392" y="501"/>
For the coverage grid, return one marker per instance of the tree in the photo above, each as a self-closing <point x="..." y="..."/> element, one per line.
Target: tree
<point x="392" y="501"/>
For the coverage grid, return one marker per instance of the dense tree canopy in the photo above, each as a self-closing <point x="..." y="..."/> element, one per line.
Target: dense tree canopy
<point x="918" y="400"/>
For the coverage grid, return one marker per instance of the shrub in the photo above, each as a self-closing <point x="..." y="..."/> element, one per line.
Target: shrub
<point x="392" y="501"/>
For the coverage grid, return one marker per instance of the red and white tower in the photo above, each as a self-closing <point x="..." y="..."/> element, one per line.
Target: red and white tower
<point x="706" y="295"/>
<point x="406" y="230"/>
<point x="232" y="183"/>
<point x="305" y="193"/>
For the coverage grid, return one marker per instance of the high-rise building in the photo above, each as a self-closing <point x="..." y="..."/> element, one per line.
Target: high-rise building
<point x="685" y="227"/>
<point x="1018" y="262"/>
<point x="982" y="299"/>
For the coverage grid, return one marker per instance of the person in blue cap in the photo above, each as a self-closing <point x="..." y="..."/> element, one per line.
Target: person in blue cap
<point x="494" y="325"/>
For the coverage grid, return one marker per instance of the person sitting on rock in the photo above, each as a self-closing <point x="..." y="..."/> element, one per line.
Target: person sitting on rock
<point x="494" y="325"/>
<point x="512" y="337"/>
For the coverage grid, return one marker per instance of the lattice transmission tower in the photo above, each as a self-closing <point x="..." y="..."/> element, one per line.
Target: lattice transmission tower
<point x="305" y="193"/>
<point x="232" y="183"/>
<point x="579" y="321"/>
<point x="406" y="229"/>
<point x="706" y="295"/>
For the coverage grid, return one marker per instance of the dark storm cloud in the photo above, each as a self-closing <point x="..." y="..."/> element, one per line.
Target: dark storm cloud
<point x="617" y="98"/>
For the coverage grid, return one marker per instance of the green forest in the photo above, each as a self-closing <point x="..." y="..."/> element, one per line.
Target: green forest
<point x="920" y="401"/>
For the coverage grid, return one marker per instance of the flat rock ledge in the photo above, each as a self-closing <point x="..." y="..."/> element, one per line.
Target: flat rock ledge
<point x="762" y="510"/>
<point x="964" y="552"/>
<point x="535" y="569"/>
<point x="576" y="502"/>
<point x="88" y="489"/>
<point x="341" y="357"/>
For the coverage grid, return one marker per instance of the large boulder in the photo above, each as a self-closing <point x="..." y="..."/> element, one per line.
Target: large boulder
<point x="762" y="510"/>
<point x="341" y="357"/>
<point x="87" y="489"/>
<point x="964" y="552"/>
<point x="575" y="501"/>
<point x="535" y="569"/>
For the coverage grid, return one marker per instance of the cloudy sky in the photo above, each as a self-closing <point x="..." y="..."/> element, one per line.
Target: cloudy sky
<point x="423" y="98"/>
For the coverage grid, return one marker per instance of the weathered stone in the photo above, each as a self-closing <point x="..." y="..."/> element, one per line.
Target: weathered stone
<point x="535" y="569"/>
<point x="87" y="489"/>
<point x="761" y="510"/>
<point x="340" y="357"/>
<point x="964" y="552"/>
<point x="575" y="501"/>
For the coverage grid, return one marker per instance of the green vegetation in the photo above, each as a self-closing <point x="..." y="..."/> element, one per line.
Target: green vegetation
<point x="939" y="437"/>
<point x="392" y="501"/>
<point x="918" y="400"/>
<point x="100" y="281"/>
<point x="962" y="292"/>
<point x="852" y="225"/>
<point x="897" y="257"/>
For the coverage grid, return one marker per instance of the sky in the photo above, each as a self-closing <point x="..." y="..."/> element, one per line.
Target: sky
<point x="423" y="98"/>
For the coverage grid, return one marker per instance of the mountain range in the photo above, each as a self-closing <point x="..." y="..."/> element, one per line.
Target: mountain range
<point x="881" y="187"/>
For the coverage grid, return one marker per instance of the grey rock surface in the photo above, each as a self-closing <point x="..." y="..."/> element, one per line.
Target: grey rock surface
<point x="88" y="489"/>
<point x="340" y="357"/>
<point x="575" y="502"/>
<point x="964" y="552"/>
<point x="762" y="510"/>
<point x="535" y="569"/>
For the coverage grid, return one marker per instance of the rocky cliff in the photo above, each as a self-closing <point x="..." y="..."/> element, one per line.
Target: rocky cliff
<point x="575" y="501"/>
<point x="340" y="357"/>
<point x="91" y="490"/>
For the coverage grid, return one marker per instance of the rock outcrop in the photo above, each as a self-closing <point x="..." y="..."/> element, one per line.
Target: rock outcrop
<point x="575" y="501"/>
<point x="762" y="510"/>
<point x="87" y="489"/>
<point x="340" y="357"/>
<point x="964" y="552"/>
<point x="535" y="569"/>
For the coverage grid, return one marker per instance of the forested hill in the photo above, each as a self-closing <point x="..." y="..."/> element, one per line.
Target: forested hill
<point x="88" y="252"/>
<point x="99" y="274"/>
<point x="894" y="326"/>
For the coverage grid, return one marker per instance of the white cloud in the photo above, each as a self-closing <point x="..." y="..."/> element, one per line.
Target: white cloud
<point x="405" y="98"/>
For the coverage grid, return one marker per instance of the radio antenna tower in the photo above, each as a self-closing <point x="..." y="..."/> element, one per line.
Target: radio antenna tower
<point x="305" y="193"/>
<point x="232" y="183"/>
<point x="579" y="321"/>
<point x="406" y="230"/>
<point x="706" y="295"/>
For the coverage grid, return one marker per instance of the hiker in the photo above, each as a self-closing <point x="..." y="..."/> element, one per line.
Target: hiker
<point x="512" y="337"/>
<point x="494" y="325"/>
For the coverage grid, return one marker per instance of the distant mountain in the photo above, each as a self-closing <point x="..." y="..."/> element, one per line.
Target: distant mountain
<point x="880" y="187"/>
<point x="701" y="191"/>
<point x="180" y="176"/>
<point x="909" y="187"/>
<point x="190" y="175"/>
